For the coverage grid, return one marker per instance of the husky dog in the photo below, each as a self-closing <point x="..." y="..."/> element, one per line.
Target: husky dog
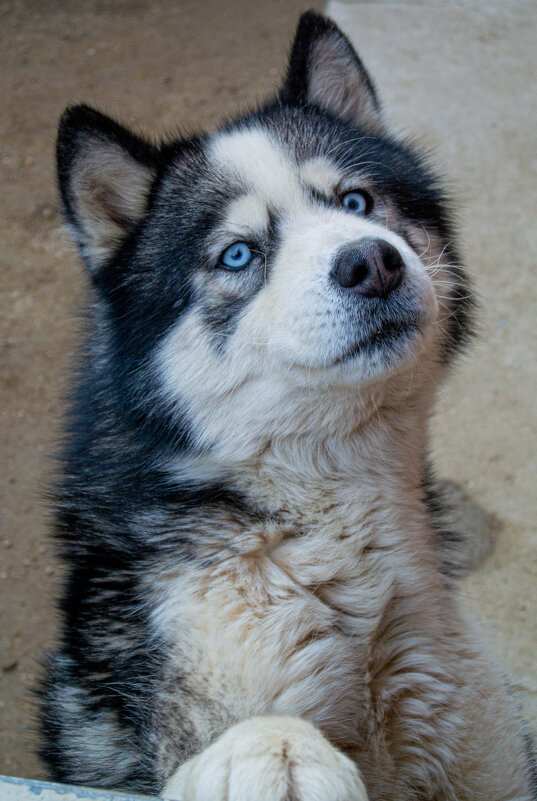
<point x="259" y="602"/>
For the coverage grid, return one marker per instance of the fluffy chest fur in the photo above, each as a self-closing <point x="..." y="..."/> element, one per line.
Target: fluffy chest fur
<point x="326" y="617"/>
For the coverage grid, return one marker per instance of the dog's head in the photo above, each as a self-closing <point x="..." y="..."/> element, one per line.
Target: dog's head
<point x="299" y="251"/>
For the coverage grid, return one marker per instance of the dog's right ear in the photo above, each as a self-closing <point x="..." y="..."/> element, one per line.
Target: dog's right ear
<point x="105" y="175"/>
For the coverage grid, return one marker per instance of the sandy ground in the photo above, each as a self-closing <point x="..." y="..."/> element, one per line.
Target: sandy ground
<point x="461" y="73"/>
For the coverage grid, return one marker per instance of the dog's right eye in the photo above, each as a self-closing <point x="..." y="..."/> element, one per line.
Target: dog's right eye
<point x="236" y="256"/>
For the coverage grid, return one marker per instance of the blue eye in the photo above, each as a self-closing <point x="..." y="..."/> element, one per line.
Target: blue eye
<point x="236" y="256"/>
<point x="357" y="202"/>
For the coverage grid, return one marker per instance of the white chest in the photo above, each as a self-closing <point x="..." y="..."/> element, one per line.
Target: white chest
<point x="284" y="626"/>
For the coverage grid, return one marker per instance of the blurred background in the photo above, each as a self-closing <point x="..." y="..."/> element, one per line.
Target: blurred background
<point x="460" y="75"/>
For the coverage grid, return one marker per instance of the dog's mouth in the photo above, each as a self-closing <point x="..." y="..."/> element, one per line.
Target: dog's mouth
<point x="383" y="337"/>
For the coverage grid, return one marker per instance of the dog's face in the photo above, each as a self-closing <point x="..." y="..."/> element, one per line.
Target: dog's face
<point x="301" y="246"/>
<point x="301" y="269"/>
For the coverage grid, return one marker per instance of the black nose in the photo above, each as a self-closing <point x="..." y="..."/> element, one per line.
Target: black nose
<point x="371" y="267"/>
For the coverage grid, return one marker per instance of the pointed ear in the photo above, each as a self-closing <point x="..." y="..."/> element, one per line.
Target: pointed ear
<point x="105" y="174"/>
<point x="325" y="70"/>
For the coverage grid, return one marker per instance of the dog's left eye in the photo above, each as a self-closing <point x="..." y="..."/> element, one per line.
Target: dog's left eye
<point x="236" y="256"/>
<point x="357" y="202"/>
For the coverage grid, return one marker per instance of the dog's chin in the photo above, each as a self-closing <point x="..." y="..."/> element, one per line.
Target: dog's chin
<point x="390" y="343"/>
<point x="383" y="352"/>
<point x="379" y="352"/>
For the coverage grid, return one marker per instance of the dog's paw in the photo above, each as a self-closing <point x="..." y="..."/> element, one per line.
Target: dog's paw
<point x="468" y="533"/>
<point x="268" y="759"/>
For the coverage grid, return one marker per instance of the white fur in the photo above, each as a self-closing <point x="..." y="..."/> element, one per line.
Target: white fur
<point x="247" y="214"/>
<point x="320" y="174"/>
<point x="253" y="158"/>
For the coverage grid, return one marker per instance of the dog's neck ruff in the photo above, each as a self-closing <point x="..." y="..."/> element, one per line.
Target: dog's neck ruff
<point x="339" y="454"/>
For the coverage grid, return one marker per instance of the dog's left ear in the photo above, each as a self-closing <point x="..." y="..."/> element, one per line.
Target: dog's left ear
<point x="325" y="70"/>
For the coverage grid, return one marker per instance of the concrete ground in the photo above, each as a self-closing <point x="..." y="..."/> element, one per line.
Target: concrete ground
<point x="461" y="74"/>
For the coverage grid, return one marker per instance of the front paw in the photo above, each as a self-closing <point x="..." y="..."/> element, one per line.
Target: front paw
<point x="268" y="759"/>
